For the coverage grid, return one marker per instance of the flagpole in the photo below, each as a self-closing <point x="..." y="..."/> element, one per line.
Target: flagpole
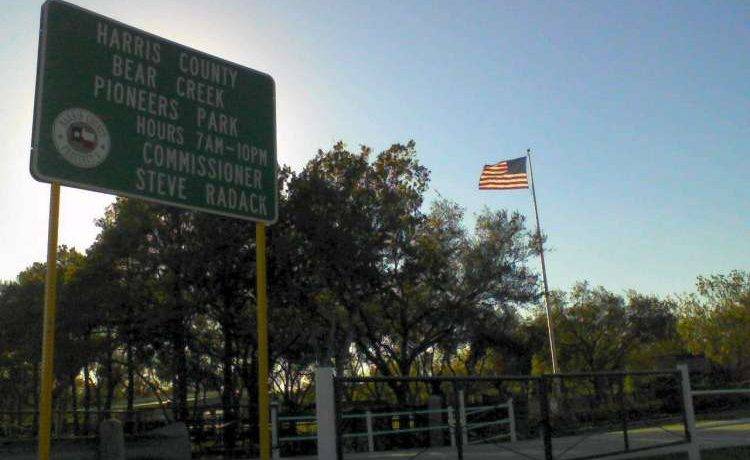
<point x="550" y="327"/>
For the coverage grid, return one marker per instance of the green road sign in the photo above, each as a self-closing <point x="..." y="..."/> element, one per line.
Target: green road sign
<point x="121" y="111"/>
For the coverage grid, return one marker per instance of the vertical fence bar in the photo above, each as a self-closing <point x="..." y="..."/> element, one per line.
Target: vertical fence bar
<point x="545" y="422"/>
<point x="275" y="451"/>
<point x="370" y="437"/>
<point x="338" y="418"/>
<point x="462" y="417"/>
<point x="458" y="396"/>
<point x="691" y="435"/>
<point x="512" y="419"/>
<point x="452" y="425"/>
<point x="435" y="421"/>
<point x="624" y="414"/>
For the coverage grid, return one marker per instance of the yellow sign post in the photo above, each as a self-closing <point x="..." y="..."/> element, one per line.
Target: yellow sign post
<point x="264" y="406"/>
<point x="48" y="337"/>
<point x="48" y="334"/>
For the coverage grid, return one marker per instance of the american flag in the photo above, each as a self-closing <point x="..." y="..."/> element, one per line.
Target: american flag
<point x="508" y="174"/>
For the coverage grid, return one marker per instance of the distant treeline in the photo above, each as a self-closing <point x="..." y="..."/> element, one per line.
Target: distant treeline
<point x="362" y="276"/>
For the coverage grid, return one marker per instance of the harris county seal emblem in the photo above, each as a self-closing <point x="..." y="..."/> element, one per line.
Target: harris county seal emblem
<point x="81" y="138"/>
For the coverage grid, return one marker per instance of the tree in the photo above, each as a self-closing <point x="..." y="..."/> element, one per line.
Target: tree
<point x="363" y="275"/>
<point x="592" y="333"/>
<point x="652" y="322"/>
<point x="224" y="283"/>
<point x="393" y="280"/>
<point x="715" y="321"/>
<point x="21" y="305"/>
<point x="331" y="216"/>
<point x="598" y="330"/>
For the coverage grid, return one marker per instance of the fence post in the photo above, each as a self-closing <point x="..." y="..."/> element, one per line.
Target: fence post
<point x="545" y="418"/>
<point x="435" y="420"/>
<point x="325" y="413"/>
<point x="370" y="437"/>
<point x="452" y="425"/>
<point x="624" y="415"/>
<point x="694" y="452"/>
<point x="462" y="418"/>
<point x="512" y="419"/>
<point x="275" y="450"/>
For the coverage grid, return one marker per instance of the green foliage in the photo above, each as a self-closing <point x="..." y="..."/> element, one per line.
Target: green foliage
<point x="405" y="287"/>
<point x="598" y="330"/>
<point x="715" y="321"/>
<point x="363" y="274"/>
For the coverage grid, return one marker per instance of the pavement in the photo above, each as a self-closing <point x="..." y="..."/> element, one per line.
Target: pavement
<point x="711" y="435"/>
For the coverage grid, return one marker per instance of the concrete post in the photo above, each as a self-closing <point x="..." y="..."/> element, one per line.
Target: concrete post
<point x="512" y="418"/>
<point x="370" y="436"/>
<point x="694" y="452"/>
<point x="325" y="413"/>
<point x="111" y="440"/>
<point x="435" y="419"/>
<point x="275" y="450"/>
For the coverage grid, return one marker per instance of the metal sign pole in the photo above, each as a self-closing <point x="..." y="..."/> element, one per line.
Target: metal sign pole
<point x="48" y="334"/>
<point x="263" y="396"/>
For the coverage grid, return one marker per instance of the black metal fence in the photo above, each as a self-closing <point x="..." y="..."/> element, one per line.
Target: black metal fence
<point x="563" y="416"/>
<point x="23" y="424"/>
<point x="594" y="415"/>
<point x="207" y="426"/>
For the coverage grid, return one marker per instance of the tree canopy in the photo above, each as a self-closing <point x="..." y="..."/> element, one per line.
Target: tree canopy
<point x="364" y="275"/>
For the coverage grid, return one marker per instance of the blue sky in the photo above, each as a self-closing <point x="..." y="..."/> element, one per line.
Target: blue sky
<point x="638" y="114"/>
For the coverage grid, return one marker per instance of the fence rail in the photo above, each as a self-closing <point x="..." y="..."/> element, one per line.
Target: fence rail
<point x="563" y="411"/>
<point x="728" y="391"/>
<point x="80" y="422"/>
<point x="371" y="433"/>
<point x="461" y="420"/>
